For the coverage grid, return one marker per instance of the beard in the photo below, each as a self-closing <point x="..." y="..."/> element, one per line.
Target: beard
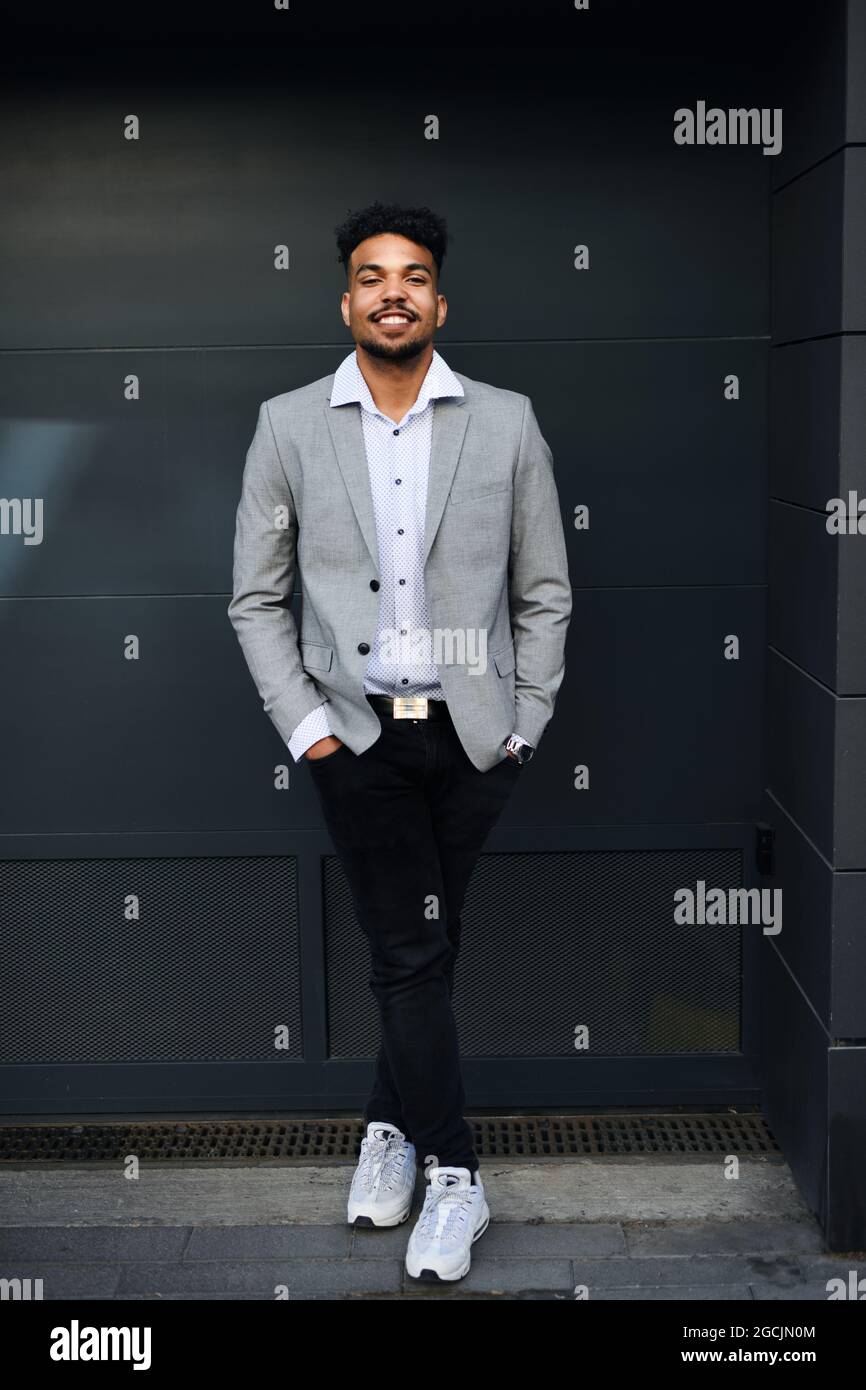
<point x="397" y="351"/>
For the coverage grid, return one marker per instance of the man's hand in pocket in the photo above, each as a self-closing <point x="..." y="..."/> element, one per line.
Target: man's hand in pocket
<point x="322" y="747"/>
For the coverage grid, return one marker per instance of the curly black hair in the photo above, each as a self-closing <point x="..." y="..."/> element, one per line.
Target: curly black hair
<point x="416" y="224"/>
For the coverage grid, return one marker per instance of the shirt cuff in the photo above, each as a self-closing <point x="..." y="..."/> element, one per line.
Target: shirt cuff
<point x="309" y="731"/>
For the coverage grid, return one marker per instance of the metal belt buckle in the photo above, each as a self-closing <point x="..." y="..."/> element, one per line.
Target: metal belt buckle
<point x="410" y="706"/>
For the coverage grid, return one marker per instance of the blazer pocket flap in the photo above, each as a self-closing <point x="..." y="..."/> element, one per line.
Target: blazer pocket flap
<point x="504" y="660"/>
<point x="492" y="488"/>
<point x="317" y="655"/>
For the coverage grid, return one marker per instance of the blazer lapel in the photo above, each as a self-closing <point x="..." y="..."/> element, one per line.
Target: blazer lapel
<point x="347" y="432"/>
<point x="450" y="418"/>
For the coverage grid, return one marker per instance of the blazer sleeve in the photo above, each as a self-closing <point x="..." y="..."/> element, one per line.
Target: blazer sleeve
<point x="539" y="584"/>
<point x="263" y="578"/>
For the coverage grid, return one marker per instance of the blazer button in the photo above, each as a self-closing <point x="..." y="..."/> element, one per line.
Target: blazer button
<point x="374" y="584"/>
<point x="363" y="648"/>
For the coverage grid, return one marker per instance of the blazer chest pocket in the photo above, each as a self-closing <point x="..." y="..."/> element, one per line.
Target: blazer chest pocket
<point x="493" y="489"/>
<point x="317" y="656"/>
<point x="504" y="659"/>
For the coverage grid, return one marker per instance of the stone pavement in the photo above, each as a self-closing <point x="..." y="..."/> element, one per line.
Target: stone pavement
<point x="641" y="1228"/>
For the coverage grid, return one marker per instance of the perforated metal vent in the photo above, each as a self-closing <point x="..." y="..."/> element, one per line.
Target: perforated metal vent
<point x="552" y="942"/>
<point x="208" y="972"/>
<point x="323" y="1141"/>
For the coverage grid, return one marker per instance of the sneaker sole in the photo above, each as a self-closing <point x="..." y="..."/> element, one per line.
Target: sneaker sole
<point x="430" y="1276"/>
<point x="364" y="1222"/>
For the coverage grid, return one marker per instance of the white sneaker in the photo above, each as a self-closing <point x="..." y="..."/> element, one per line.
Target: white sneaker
<point x="454" y="1215"/>
<point x="384" y="1180"/>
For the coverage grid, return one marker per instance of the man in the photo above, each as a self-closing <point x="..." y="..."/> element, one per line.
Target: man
<point x="420" y="508"/>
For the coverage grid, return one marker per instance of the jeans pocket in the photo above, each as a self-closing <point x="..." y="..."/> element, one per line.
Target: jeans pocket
<point x="314" y="762"/>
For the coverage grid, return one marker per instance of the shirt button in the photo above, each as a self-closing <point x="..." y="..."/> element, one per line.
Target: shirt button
<point x="399" y="530"/>
<point x="398" y="480"/>
<point x="405" y="680"/>
<point x="363" y="648"/>
<point x="396" y="431"/>
<point x="401" y="581"/>
<point x="374" y="584"/>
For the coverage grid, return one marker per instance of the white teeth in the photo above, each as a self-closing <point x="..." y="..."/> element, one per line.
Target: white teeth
<point x="394" y="318"/>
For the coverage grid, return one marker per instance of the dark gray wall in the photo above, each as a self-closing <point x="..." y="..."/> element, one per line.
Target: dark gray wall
<point x="155" y="257"/>
<point x="813" y="973"/>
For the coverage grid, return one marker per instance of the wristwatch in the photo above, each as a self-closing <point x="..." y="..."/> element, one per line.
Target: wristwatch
<point x="522" y="751"/>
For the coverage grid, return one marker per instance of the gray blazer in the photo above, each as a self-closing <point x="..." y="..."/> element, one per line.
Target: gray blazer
<point x="495" y="563"/>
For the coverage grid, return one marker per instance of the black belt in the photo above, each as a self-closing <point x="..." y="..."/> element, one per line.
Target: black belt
<point x="409" y="706"/>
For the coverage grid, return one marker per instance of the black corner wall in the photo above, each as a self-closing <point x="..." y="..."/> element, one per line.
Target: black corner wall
<point x="814" y="970"/>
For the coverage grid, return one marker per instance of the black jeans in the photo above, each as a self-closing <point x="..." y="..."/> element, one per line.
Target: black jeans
<point x="409" y="817"/>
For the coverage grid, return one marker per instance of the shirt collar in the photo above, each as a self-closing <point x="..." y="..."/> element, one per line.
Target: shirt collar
<point x="349" y="385"/>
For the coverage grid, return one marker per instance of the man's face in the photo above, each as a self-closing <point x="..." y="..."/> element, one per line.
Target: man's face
<point x="392" y="307"/>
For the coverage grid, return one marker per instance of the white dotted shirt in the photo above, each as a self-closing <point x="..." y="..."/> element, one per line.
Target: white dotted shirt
<point x="398" y="460"/>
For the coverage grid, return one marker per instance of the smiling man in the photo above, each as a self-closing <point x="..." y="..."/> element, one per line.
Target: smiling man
<point x="405" y="494"/>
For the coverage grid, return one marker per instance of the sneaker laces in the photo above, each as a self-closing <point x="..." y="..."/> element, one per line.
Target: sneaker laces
<point x="380" y="1160"/>
<point x="436" y="1209"/>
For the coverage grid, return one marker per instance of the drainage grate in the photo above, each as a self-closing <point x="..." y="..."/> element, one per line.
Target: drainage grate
<point x="315" y="1141"/>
